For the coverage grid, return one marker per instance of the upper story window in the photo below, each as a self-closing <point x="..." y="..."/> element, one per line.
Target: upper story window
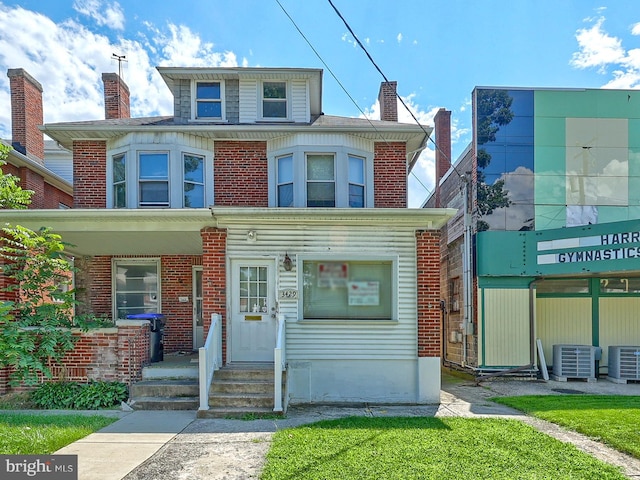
<point x="119" y="184"/>
<point x="333" y="177"/>
<point x="274" y="100"/>
<point x="153" y="179"/>
<point x="209" y="101"/>
<point x="169" y="177"/>
<point x="321" y="183"/>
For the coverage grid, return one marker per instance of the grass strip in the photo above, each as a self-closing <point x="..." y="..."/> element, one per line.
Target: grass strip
<point x="610" y="419"/>
<point x="40" y="434"/>
<point x="407" y="448"/>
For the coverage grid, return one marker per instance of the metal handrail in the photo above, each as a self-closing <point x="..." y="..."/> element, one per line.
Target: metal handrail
<point x="210" y="359"/>
<point x="279" y="363"/>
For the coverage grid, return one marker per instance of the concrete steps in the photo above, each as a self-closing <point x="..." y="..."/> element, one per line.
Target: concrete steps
<point x="165" y="394"/>
<point x="241" y="391"/>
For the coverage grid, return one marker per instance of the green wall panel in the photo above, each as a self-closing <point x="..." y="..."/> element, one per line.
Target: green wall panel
<point x="549" y="132"/>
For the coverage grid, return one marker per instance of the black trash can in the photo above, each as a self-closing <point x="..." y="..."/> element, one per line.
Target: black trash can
<point x="157" y="332"/>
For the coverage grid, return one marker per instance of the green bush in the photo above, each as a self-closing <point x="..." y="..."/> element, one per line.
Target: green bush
<point x="79" y="396"/>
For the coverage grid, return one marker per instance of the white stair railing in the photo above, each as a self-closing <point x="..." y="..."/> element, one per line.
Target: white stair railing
<point x="210" y="359"/>
<point x="279" y="364"/>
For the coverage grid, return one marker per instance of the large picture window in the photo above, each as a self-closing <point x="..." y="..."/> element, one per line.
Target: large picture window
<point x="348" y="290"/>
<point x="321" y="184"/>
<point x="136" y="286"/>
<point x="153" y="177"/>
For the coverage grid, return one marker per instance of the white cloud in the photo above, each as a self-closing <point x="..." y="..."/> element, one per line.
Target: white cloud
<point x="597" y="48"/>
<point x="68" y="60"/>
<point x="104" y="13"/>
<point x="399" y="38"/>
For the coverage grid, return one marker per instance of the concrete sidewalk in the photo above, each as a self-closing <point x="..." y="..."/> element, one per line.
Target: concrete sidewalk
<point x="153" y="445"/>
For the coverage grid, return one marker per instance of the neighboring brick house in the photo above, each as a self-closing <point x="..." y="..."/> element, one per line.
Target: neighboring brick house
<point x="252" y="204"/>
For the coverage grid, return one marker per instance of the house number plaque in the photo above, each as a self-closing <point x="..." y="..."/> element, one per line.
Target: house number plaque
<point x="288" y="294"/>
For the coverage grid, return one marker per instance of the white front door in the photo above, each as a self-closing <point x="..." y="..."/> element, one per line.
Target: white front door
<point x="253" y="323"/>
<point x="198" y="324"/>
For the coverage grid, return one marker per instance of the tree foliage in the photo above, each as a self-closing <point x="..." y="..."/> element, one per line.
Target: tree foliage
<point x="12" y="196"/>
<point x="37" y="275"/>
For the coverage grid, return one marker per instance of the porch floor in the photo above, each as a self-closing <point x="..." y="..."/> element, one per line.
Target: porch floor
<point x="173" y="365"/>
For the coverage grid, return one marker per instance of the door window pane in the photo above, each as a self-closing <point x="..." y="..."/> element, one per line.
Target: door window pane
<point x="253" y="289"/>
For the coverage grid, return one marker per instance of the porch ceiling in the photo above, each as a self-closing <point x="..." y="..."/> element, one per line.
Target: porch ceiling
<point x="120" y="232"/>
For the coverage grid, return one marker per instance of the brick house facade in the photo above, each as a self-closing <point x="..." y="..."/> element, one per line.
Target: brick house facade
<point x="252" y="204"/>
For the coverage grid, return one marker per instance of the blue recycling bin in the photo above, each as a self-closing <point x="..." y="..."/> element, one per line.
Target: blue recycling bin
<point x="155" y="337"/>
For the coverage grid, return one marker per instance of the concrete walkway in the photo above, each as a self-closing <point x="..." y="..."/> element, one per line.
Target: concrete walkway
<point x="153" y="445"/>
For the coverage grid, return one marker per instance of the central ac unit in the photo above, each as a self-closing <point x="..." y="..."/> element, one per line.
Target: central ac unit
<point x="574" y="361"/>
<point x="624" y="363"/>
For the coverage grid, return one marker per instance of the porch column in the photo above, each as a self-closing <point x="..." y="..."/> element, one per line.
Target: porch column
<point x="429" y="315"/>
<point x="214" y="279"/>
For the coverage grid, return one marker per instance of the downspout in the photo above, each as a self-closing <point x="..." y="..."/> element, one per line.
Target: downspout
<point x="467" y="273"/>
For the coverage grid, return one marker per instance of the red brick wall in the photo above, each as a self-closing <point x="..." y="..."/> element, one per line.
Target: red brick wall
<point x="26" y="112"/>
<point x="390" y="175"/>
<point x="429" y="322"/>
<point x="240" y="174"/>
<point x="177" y="281"/>
<point x="112" y="354"/>
<point x="89" y="174"/>
<point x="30" y="180"/>
<point x="53" y="197"/>
<point x="214" y="246"/>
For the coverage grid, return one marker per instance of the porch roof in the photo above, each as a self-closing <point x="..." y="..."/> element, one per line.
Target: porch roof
<point x="177" y="232"/>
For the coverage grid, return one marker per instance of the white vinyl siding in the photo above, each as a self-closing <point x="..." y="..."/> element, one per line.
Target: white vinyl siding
<point x="248" y="101"/>
<point x="339" y="339"/>
<point x="300" y="110"/>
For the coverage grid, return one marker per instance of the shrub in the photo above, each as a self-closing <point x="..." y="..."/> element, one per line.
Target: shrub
<point x="79" y="396"/>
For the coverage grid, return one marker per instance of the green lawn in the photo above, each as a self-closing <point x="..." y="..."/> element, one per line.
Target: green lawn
<point x="43" y="434"/>
<point x="614" y="420"/>
<point x="407" y="448"/>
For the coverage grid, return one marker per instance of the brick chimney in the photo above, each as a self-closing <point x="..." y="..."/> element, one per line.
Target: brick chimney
<point x="442" y="122"/>
<point x="26" y="114"/>
<point x="388" y="101"/>
<point x="116" y="97"/>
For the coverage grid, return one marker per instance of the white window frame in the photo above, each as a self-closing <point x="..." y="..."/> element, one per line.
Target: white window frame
<point x="140" y="181"/>
<point x="194" y="102"/>
<point x="176" y="173"/>
<point x="341" y="156"/>
<point x="348" y="257"/>
<point x="132" y="261"/>
<point x="287" y="99"/>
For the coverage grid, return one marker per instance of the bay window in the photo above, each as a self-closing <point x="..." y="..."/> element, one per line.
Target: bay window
<point x="311" y="176"/>
<point x="167" y="176"/>
<point x="348" y="289"/>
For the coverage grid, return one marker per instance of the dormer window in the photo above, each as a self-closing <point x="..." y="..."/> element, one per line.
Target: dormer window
<point x="274" y="100"/>
<point x="209" y="101"/>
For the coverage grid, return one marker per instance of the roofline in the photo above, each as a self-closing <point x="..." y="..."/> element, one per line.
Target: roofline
<point x="20" y="160"/>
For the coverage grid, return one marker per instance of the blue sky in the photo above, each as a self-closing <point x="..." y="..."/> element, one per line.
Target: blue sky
<point x="437" y="51"/>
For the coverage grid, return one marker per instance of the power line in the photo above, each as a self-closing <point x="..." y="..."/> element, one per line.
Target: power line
<point x="397" y="95"/>
<point x="345" y="90"/>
